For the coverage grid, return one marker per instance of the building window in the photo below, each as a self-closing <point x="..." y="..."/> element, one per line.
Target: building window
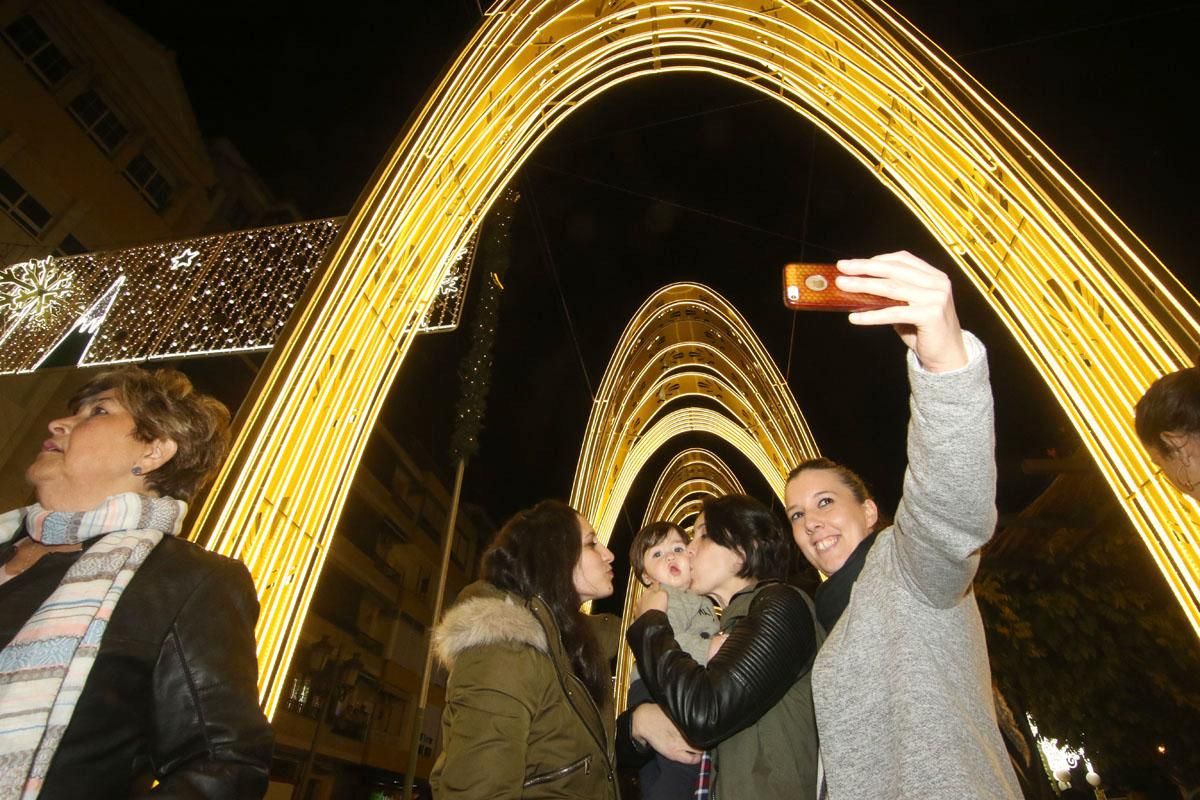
<point x="148" y="180"/>
<point x="41" y="56"/>
<point x="70" y="246"/>
<point x="25" y="211"/>
<point x="97" y="118"/>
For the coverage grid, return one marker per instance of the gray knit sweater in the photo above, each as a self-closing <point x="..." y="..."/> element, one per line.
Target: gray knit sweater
<point x="902" y="686"/>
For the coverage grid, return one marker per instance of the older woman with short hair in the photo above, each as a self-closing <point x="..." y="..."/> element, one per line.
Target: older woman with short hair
<point x="128" y="653"/>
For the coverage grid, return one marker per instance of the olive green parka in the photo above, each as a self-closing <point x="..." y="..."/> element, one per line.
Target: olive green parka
<point x="517" y="722"/>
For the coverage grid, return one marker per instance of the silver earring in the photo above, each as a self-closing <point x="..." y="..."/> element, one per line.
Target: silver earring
<point x="136" y="470"/>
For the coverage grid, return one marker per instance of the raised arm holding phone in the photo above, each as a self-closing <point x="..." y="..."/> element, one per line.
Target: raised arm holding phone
<point x="902" y="685"/>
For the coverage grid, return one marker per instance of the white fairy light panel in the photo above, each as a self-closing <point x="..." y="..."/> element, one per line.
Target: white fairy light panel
<point x="214" y="294"/>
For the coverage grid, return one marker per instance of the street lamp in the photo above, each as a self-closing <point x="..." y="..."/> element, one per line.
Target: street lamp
<point x="1060" y="760"/>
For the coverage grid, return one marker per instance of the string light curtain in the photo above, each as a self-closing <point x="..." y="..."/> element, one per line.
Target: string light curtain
<point x="226" y="293"/>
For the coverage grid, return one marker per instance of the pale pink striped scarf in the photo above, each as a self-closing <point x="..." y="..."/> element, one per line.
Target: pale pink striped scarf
<point x="44" y="668"/>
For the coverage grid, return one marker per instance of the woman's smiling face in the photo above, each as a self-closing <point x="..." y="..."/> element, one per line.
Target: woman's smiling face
<point x="828" y="521"/>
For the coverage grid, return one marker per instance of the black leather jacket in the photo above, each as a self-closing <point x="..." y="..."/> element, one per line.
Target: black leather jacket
<point x="767" y="650"/>
<point x="173" y="693"/>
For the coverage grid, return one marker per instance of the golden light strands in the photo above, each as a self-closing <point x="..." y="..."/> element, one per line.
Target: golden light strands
<point x="1098" y="314"/>
<point x="685" y="342"/>
<point x="692" y="473"/>
<point x="690" y="477"/>
<point x="687" y="363"/>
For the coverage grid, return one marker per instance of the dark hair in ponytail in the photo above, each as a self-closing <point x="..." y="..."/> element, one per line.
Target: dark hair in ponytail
<point x="534" y="555"/>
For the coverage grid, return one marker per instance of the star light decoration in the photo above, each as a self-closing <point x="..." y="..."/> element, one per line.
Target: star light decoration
<point x="184" y="258"/>
<point x="29" y="290"/>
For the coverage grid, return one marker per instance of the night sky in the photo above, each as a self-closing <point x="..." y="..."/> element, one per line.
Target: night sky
<point x="688" y="178"/>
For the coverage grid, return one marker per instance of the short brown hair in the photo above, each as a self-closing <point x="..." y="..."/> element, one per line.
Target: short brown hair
<point x="165" y="405"/>
<point x="646" y="538"/>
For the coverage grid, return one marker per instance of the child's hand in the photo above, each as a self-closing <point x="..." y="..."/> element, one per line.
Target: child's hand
<point x="714" y="644"/>
<point x="654" y="597"/>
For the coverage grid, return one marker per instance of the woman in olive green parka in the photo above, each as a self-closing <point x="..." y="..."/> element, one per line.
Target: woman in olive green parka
<point x="528" y="681"/>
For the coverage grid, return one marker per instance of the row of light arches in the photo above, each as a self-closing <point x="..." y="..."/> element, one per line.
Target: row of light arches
<point x="1097" y="314"/>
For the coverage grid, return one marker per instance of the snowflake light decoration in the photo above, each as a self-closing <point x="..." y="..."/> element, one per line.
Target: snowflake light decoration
<point x="30" y="289"/>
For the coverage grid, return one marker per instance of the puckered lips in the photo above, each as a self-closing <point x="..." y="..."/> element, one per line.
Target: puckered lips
<point x="51" y="446"/>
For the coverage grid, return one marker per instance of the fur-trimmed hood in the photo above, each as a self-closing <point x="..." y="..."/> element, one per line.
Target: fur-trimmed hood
<point x="484" y="615"/>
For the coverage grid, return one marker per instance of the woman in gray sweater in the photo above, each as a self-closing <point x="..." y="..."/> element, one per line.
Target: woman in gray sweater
<point x="902" y="686"/>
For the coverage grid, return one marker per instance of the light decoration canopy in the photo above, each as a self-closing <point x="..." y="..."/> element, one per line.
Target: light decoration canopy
<point x="225" y="293"/>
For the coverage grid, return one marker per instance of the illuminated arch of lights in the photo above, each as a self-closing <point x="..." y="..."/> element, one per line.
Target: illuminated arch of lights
<point x="1098" y="315"/>
<point x="686" y="362"/>
<point x="690" y="477"/>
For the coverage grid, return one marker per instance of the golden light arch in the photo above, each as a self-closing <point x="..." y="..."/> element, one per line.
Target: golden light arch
<point x="686" y="349"/>
<point x="1097" y="313"/>
<point x="690" y="477"/>
<point x="763" y="456"/>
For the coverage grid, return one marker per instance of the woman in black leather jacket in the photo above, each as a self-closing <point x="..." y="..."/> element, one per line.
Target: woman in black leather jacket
<point x="128" y="653"/>
<point x="753" y="701"/>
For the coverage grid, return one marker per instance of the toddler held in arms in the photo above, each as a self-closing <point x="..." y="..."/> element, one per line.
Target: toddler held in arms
<point x="659" y="555"/>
